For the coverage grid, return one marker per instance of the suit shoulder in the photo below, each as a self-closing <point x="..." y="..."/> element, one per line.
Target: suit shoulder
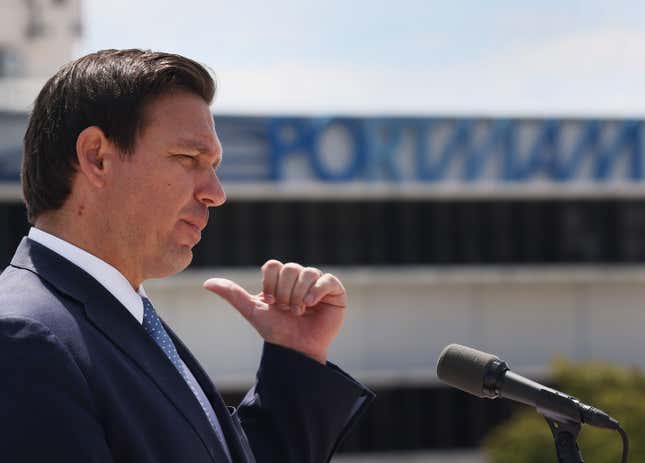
<point x="22" y="292"/>
<point x="24" y="295"/>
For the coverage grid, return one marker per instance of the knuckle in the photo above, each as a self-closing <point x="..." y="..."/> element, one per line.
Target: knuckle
<point x="332" y="280"/>
<point x="291" y="268"/>
<point x="312" y="272"/>
<point x="331" y="277"/>
<point x="337" y="282"/>
<point x="325" y="278"/>
<point x="292" y="265"/>
<point x="272" y="264"/>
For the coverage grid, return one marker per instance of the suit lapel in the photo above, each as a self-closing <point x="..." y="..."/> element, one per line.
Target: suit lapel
<point x="123" y="330"/>
<point x="238" y="445"/>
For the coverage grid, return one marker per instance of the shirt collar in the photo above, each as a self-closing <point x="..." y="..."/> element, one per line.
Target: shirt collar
<point x="109" y="277"/>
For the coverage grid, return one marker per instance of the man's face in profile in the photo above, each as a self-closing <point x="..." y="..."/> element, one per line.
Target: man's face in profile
<point x="161" y="192"/>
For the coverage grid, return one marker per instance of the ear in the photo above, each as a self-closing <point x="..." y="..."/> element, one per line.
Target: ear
<point x="92" y="149"/>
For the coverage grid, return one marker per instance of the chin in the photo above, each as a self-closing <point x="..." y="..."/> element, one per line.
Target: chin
<point x="173" y="262"/>
<point x="183" y="261"/>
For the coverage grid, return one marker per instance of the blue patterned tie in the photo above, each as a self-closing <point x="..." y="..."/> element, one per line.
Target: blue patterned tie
<point x="152" y="325"/>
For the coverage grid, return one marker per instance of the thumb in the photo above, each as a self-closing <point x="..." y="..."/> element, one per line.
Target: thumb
<point x="233" y="293"/>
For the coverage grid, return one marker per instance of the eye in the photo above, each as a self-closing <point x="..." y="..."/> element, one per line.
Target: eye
<point x="186" y="158"/>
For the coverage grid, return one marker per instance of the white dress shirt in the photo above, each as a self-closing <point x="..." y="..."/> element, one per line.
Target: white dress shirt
<point x="109" y="277"/>
<point x="120" y="288"/>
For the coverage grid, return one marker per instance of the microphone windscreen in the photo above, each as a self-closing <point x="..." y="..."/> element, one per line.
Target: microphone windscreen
<point x="464" y="368"/>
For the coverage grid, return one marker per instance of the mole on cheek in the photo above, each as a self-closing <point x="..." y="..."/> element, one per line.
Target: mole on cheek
<point x="80" y="210"/>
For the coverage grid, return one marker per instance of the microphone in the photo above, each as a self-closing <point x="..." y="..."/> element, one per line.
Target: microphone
<point x="486" y="376"/>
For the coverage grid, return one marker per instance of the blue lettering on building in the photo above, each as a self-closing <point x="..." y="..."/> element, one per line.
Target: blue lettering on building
<point x="375" y="149"/>
<point x="415" y="149"/>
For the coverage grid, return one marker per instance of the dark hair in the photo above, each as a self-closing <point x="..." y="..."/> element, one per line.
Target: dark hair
<point x="108" y="89"/>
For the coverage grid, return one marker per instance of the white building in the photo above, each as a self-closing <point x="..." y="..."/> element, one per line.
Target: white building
<point x="529" y="269"/>
<point x="36" y="38"/>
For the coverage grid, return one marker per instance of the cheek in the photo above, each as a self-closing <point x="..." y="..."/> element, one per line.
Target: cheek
<point x="158" y="199"/>
<point x="170" y="199"/>
<point x="179" y="189"/>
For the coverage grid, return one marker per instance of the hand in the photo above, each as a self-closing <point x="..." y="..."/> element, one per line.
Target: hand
<point x="299" y="307"/>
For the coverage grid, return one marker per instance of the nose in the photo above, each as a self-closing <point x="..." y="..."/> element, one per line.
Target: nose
<point x="211" y="193"/>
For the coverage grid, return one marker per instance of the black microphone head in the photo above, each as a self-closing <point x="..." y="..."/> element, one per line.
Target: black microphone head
<point x="465" y="368"/>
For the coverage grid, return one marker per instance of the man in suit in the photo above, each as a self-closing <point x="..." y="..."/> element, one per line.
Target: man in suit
<point x="119" y="173"/>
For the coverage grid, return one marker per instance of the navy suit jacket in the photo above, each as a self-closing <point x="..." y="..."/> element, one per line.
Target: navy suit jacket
<point x="81" y="381"/>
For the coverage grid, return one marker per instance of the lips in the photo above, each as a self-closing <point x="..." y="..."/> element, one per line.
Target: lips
<point x="195" y="225"/>
<point x="195" y="230"/>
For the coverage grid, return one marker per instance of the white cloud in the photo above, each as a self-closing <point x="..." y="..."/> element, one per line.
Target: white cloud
<point x="599" y="72"/>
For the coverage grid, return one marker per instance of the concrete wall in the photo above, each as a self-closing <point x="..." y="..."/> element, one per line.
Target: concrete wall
<point x="400" y="319"/>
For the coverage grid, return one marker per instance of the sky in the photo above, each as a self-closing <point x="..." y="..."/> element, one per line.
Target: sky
<point x="494" y="57"/>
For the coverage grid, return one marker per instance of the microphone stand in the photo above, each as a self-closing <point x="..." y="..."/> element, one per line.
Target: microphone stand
<point x="565" y="435"/>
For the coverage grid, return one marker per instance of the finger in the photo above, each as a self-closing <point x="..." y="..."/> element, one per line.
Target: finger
<point x="326" y="285"/>
<point x="306" y="279"/>
<point x="270" y="272"/>
<point x="234" y="294"/>
<point x="286" y="281"/>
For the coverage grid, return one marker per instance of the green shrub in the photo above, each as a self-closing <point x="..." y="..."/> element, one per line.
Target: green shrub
<point x="526" y="437"/>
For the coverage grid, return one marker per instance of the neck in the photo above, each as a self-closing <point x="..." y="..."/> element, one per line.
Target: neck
<point x="82" y="233"/>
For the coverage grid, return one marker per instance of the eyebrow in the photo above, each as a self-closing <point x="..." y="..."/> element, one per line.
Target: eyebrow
<point x="192" y="145"/>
